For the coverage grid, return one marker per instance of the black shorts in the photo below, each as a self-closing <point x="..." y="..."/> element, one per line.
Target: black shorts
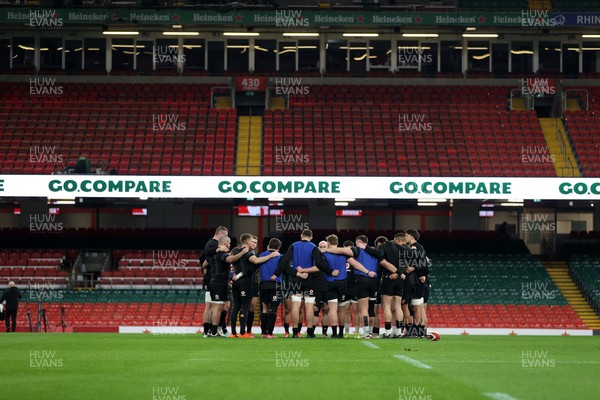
<point x="391" y="287"/>
<point x="418" y="291"/>
<point x="219" y="292"/>
<point x="255" y="289"/>
<point x="336" y="290"/>
<point x="308" y="288"/>
<point x="366" y="287"/>
<point x="407" y="292"/>
<point x="351" y="291"/>
<point x="319" y="299"/>
<point x="426" y="293"/>
<point x="269" y="295"/>
<point x="285" y="288"/>
<point x="241" y="289"/>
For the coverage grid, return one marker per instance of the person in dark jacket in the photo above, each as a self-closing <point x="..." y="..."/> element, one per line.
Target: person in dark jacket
<point x="11" y="296"/>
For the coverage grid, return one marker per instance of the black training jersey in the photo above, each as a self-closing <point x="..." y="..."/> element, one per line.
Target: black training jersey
<point x="421" y="263"/>
<point x="391" y="253"/>
<point x="243" y="264"/>
<point x="210" y="249"/>
<point x="220" y="268"/>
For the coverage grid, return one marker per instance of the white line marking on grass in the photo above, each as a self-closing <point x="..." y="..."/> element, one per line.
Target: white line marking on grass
<point x="369" y="344"/>
<point x="500" y="396"/>
<point x="501" y="362"/>
<point x="470" y="362"/>
<point x="416" y="363"/>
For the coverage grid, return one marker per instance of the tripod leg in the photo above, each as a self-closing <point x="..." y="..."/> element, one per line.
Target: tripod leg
<point x="45" y="321"/>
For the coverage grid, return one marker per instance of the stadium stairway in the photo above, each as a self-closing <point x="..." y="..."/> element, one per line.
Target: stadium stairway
<point x="518" y="104"/>
<point x="249" y="145"/>
<point x="540" y="5"/>
<point x="573" y="105"/>
<point x="563" y="165"/>
<point x="223" y="102"/>
<point x="559" y="273"/>
<point x="277" y="103"/>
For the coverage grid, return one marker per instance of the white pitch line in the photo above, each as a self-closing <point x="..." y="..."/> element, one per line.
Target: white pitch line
<point x="500" y="396"/>
<point x="369" y="344"/>
<point x="416" y="363"/>
<point x="501" y="362"/>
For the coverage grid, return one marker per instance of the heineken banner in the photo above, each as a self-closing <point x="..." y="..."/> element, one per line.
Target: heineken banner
<point x="45" y="18"/>
<point x="112" y="186"/>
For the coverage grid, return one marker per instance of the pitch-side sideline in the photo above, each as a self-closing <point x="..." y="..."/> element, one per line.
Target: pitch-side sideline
<point x="175" y="330"/>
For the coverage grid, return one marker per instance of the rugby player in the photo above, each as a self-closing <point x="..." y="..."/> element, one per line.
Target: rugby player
<point x="209" y="250"/>
<point x="304" y="256"/>
<point x="336" y="288"/>
<point x="325" y="307"/>
<point x="351" y="306"/>
<point x="392" y="283"/>
<point x="242" y="288"/>
<point x="269" y="298"/>
<point x="364" y="260"/>
<point x="220" y="266"/>
<point x="419" y="266"/>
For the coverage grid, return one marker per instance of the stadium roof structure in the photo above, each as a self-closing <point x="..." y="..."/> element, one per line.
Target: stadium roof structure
<point x="289" y="18"/>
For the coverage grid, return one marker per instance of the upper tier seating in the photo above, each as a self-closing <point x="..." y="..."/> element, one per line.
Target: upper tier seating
<point x="401" y="130"/>
<point x="119" y="128"/>
<point x="157" y="269"/>
<point x="33" y="268"/>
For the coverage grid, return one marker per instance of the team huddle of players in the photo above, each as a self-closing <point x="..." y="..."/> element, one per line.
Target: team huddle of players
<point x="329" y="280"/>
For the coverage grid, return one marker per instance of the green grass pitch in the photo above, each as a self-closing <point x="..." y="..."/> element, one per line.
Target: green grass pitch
<point x="189" y="367"/>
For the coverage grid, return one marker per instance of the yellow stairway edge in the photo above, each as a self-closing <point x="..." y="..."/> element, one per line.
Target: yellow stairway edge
<point x="549" y="127"/>
<point x="568" y="289"/>
<point x="573" y="105"/>
<point x="249" y="145"/>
